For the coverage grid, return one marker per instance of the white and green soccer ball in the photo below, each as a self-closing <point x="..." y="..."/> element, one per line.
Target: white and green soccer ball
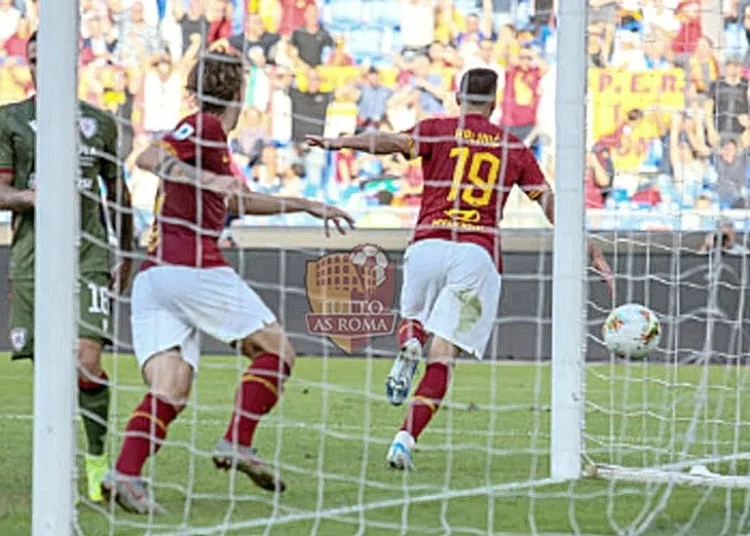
<point x="631" y="331"/>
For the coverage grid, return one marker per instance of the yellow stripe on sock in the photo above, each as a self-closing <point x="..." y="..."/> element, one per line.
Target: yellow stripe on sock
<point x="268" y="385"/>
<point x="426" y="401"/>
<point x="151" y="418"/>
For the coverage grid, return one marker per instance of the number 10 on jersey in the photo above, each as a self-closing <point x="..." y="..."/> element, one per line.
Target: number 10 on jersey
<point x="478" y="192"/>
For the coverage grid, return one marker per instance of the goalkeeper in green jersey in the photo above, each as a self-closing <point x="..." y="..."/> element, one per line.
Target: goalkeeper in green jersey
<point x="98" y="149"/>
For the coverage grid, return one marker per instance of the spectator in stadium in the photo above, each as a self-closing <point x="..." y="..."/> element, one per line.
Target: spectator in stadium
<point x="659" y="19"/>
<point x="266" y="176"/>
<point x="293" y="14"/>
<point x="732" y="175"/>
<point x="9" y="18"/>
<point x="339" y="57"/>
<point x="255" y="35"/>
<point x="597" y="57"/>
<point x="449" y="22"/>
<point x="687" y="161"/>
<point x="726" y="106"/>
<point x="219" y="15"/>
<point x="311" y="40"/>
<point x="162" y="97"/>
<point x="602" y="16"/>
<point x="688" y="13"/>
<point x="191" y="21"/>
<point x="628" y="52"/>
<point x="15" y="45"/>
<point x="657" y="51"/>
<point x="120" y="99"/>
<point x="139" y="40"/>
<point x="477" y="28"/>
<point x="485" y="58"/>
<point x="258" y="84"/>
<point x="373" y="100"/>
<point x="429" y="87"/>
<point x="309" y="113"/>
<point x="281" y="105"/>
<point x="100" y="43"/>
<point x="343" y="111"/>
<point x="690" y="126"/>
<point x="703" y="67"/>
<point x="522" y="93"/>
<point x="597" y="181"/>
<point x="249" y="139"/>
<point x="345" y="168"/>
<point x="309" y="107"/>
<point x="443" y="57"/>
<point x="417" y="24"/>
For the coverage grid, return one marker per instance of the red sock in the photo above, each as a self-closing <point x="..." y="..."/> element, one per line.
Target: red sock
<point x="88" y="383"/>
<point x="410" y="329"/>
<point x="257" y="394"/>
<point x="144" y="434"/>
<point x="427" y="398"/>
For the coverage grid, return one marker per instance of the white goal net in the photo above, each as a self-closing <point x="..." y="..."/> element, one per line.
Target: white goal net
<point x="663" y="441"/>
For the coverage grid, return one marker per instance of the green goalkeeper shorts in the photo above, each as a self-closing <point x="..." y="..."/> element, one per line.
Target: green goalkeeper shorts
<point x="93" y="322"/>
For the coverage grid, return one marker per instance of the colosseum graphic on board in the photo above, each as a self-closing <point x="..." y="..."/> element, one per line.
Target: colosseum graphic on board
<point x="350" y="296"/>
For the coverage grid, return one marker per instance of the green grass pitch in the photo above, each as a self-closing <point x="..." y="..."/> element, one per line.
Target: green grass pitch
<point x="331" y="434"/>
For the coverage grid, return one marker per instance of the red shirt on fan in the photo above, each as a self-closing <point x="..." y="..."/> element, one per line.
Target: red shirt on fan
<point x="469" y="167"/>
<point x="185" y="231"/>
<point x="521" y="96"/>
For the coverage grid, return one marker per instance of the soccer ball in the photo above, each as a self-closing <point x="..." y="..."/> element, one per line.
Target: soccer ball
<point x="372" y="257"/>
<point x="631" y="331"/>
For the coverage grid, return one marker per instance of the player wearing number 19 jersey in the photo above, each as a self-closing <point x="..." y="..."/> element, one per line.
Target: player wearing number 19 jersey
<point x="452" y="268"/>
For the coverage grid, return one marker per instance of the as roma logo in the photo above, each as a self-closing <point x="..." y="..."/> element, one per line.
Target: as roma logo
<point x="350" y="296"/>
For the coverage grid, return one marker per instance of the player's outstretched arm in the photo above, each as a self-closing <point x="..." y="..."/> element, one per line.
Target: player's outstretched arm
<point x="546" y="200"/>
<point x="254" y="203"/>
<point x="371" y="142"/>
<point x="161" y="161"/>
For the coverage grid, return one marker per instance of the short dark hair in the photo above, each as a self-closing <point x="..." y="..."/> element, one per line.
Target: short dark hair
<point x="216" y="79"/>
<point x="32" y="38"/>
<point x="478" y="86"/>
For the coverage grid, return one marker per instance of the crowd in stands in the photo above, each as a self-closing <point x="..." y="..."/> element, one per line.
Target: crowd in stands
<point x="342" y="66"/>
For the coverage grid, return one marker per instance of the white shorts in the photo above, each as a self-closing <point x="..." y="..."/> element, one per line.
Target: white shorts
<point x="172" y="305"/>
<point x="453" y="289"/>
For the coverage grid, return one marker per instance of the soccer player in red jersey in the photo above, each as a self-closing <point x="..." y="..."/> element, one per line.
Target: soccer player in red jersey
<point x="452" y="267"/>
<point x="185" y="287"/>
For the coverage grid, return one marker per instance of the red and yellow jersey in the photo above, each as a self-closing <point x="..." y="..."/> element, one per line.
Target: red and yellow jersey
<point x="469" y="167"/>
<point x="187" y="220"/>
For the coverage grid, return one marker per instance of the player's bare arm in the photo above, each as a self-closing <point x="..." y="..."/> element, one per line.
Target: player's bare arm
<point x="546" y="200"/>
<point x="248" y="202"/>
<point x="12" y="198"/>
<point x="240" y="200"/>
<point x="375" y="143"/>
<point x="160" y="160"/>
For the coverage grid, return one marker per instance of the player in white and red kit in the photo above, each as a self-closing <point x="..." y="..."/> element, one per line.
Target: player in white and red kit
<point x="186" y="287"/>
<point x="452" y="268"/>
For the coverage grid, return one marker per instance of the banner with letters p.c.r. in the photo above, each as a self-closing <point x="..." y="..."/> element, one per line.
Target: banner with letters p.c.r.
<point x="613" y="93"/>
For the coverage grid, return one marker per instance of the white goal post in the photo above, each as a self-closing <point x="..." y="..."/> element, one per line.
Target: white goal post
<point x="56" y="271"/>
<point x="570" y="265"/>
